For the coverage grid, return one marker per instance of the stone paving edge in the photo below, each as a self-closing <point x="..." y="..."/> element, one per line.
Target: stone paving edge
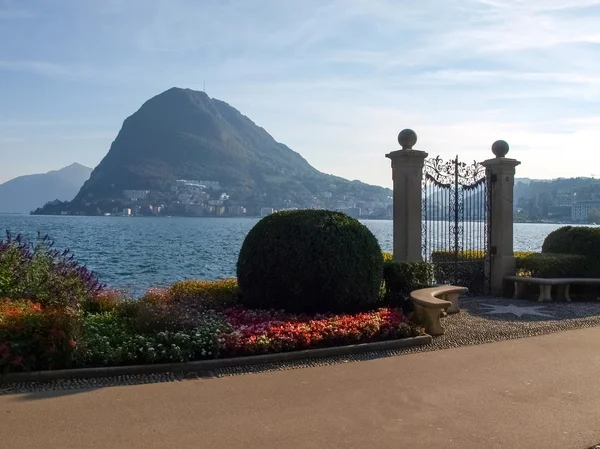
<point x="206" y="366"/>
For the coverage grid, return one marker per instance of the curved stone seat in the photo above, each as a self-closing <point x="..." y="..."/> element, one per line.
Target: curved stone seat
<point x="563" y="286"/>
<point x="431" y="302"/>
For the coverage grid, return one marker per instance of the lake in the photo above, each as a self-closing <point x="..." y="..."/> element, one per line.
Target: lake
<point x="136" y="252"/>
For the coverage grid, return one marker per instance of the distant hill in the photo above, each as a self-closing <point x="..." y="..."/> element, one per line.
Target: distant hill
<point x="26" y="193"/>
<point x="184" y="134"/>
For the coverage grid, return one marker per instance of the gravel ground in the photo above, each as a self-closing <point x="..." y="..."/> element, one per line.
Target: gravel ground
<point x="481" y="320"/>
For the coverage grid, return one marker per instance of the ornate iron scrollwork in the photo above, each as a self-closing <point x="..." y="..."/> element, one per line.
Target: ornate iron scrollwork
<point x="455" y="227"/>
<point x="452" y="172"/>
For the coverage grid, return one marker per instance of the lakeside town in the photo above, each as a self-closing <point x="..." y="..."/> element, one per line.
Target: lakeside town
<point x="201" y="198"/>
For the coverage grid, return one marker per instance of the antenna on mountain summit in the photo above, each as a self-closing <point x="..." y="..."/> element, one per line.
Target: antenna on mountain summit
<point x="204" y="86"/>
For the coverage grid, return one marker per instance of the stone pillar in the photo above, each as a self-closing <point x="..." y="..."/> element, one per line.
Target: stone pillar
<point x="407" y="174"/>
<point x="501" y="172"/>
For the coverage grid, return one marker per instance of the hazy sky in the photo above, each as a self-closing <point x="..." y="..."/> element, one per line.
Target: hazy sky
<point x="335" y="80"/>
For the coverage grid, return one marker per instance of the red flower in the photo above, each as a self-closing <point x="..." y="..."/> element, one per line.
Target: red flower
<point x="277" y="331"/>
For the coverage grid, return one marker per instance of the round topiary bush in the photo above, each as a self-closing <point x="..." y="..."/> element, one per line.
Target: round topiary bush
<point x="581" y="240"/>
<point x="310" y="261"/>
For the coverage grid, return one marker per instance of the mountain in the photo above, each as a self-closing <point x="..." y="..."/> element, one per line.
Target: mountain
<point x="25" y="193"/>
<point x="184" y="134"/>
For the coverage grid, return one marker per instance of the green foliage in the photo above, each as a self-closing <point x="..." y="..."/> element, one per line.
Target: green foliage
<point x="581" y="240"/>
<point x="110" y="340"/>
<point x="578" y="240"/>
<point x="103" y="336"/>
<point x="210" y="294"/>
<point x="310" y="261"/>
<point x="401" y="278"/>
<point x="550" y="265"/>
<point x="33" y="338"/>
<point x="38" y="272"/>
<point x="465" y="269"/>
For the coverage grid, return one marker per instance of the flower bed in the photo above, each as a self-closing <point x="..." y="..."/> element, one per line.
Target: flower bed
<point x="258" y="332"/>
<point x="56" y="315"/>
<point x="32" y="337"/>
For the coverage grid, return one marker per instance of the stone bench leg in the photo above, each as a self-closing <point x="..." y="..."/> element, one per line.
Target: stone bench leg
<point x="453" y="298"/>
<point x="430" y="319"/>
<point x="519" y="289"/>
<point x="545" y="293"/>
<point x="563" y="292"/>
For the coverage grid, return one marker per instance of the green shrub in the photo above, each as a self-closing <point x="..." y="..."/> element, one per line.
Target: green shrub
<point x="401" y="278"/>
<point x="45" y="275"/>
<point x="110" y="340"/>
<point x="103" y="337"/>
<point x="580" y="240"/>
<point x="521" y="254"/>
<point x="36" y="338"/>
<point x="465" y="269"/>
<point x="550" y="265"/>
<point x="210" y="294"/>
<point x="310" y="261"/>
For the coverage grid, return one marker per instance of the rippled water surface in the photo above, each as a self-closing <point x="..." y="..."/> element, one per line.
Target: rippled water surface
<point x="138" y="252"/>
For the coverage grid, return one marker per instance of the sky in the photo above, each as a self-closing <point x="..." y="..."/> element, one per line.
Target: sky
<point x="335" y="80"/>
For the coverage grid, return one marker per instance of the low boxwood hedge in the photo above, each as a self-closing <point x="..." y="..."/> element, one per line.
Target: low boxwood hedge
<point x="550" y="265"/>
<point x="577" y="240"/>
<point x="581" y="240"/>
<point x="467" y="269"/>
<point x="401" y="278"/>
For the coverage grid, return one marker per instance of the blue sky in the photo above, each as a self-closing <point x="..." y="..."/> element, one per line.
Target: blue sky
<point x="335" y="80"/>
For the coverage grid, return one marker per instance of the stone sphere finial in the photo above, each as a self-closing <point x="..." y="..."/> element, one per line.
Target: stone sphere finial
<point x="500" y="148"/>
<point x="407" y="139"/>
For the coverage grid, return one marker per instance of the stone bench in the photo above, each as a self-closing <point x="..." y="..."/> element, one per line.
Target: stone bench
<point x="431" y="302"/>
<point x="563" y="285"/>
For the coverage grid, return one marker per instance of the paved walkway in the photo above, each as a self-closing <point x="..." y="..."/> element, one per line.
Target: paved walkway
<point x="540" y="392"/>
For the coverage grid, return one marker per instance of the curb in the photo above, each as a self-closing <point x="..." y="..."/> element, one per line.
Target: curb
<point x="204" y="366"/>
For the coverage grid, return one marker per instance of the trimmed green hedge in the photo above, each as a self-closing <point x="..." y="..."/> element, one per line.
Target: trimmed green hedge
<point x="549" y="265"/>
<point x="582" y="240"/>
<point x="401" y="278"/>
<point x="310" y="261"/>
<point x="471" y="269"/>
<point x="578" y="240"/>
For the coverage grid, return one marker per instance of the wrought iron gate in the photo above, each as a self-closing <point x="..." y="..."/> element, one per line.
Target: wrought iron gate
<point x="456" y="223"/>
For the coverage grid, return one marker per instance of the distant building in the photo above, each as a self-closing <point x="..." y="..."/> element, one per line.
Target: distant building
<point x="581" y="209"/>
<point x="264" y="211"/>
<point x="126" y="212"/>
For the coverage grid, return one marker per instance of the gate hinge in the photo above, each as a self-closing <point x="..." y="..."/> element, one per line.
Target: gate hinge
<point x="494" y="177"/>
<point x="493" y="249"/>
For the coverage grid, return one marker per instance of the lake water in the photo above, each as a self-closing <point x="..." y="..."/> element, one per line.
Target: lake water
<point x="136" y="252"/>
